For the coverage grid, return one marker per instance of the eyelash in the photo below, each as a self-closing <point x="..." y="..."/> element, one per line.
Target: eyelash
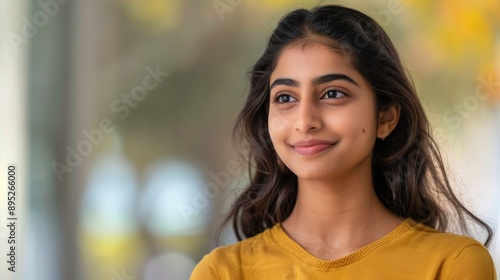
<point x="277" y="98"/>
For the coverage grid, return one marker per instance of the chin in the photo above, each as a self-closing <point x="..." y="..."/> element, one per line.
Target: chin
<point x="313" y="174"/>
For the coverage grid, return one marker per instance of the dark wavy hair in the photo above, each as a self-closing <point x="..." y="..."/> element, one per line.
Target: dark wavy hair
<point x="409" y="176"/>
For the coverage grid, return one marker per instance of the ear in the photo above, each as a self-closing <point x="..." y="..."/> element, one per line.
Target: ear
<point x="387" y="121"/>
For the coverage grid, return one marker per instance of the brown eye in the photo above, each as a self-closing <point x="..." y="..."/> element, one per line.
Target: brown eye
<point x="333" y="93"/>
<point x="284" y="98"/>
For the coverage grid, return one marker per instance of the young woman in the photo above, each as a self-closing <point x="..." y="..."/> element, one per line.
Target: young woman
<point x="346" y="180"/>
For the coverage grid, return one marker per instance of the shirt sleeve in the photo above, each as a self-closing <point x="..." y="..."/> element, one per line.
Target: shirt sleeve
<point x="204" y="270"/>
<point x="473" y="263"/>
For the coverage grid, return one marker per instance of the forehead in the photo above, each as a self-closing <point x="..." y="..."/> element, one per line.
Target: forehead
<point x="302" y="62"/>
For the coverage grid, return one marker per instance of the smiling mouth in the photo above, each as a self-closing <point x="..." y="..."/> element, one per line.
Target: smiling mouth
<point x="313" y="149"/>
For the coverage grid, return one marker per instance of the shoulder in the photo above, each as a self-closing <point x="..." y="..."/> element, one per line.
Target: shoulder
<point x="472" y="262"/>
<point x="254" y="245"/>
<point x="461" y="257"/>
<point x="231" y="258"/>
<point x="432" y="238"/>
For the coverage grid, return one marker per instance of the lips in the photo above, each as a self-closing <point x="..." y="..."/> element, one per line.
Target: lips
<point x="312" y="147"/>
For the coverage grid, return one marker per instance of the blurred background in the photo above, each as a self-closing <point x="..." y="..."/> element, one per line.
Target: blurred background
<point x="118" y="116"/>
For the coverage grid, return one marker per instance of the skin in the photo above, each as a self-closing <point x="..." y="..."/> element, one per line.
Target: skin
<point x="337" y="211"/>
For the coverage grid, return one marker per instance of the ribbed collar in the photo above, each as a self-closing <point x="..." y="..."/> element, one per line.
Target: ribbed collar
<point x="280" y="237"/>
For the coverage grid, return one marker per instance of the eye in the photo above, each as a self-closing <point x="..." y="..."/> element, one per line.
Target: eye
<point x="333" y="93"/>
<point x="285" y="98"/>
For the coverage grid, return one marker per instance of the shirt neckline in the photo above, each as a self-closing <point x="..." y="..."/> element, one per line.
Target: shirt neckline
<point x="283" y="240"/>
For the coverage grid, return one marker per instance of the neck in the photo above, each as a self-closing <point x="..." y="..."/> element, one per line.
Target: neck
<point x="332" y="218"/>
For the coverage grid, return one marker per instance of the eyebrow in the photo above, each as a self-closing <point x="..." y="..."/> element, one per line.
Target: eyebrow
<point x="317" y="81"/>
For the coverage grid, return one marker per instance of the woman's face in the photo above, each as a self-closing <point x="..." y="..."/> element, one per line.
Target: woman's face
<point x="322" y="114"/>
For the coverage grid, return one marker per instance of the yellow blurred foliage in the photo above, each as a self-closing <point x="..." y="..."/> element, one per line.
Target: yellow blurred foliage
<point x="461" y="33"/>
<point x="105" y="253"/>
<point x="462" y="30"/>
<point x="154" y="14"/>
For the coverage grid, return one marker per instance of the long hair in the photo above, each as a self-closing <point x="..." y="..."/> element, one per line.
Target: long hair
<point x="409" y="176"/>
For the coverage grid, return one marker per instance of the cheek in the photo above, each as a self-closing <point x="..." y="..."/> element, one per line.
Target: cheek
<point x="279" y="130"/>
<point x="353" y="121"/>
<point x="278" y="126"/>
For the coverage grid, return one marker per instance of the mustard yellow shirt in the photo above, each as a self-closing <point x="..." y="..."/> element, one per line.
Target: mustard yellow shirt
<point x="411" y="251"/>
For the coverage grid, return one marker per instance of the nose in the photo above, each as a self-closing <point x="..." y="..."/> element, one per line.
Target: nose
<point x="308" y="117"/>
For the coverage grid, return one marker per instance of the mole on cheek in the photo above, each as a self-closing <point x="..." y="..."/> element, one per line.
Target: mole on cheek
<point x="364" y="131"/>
